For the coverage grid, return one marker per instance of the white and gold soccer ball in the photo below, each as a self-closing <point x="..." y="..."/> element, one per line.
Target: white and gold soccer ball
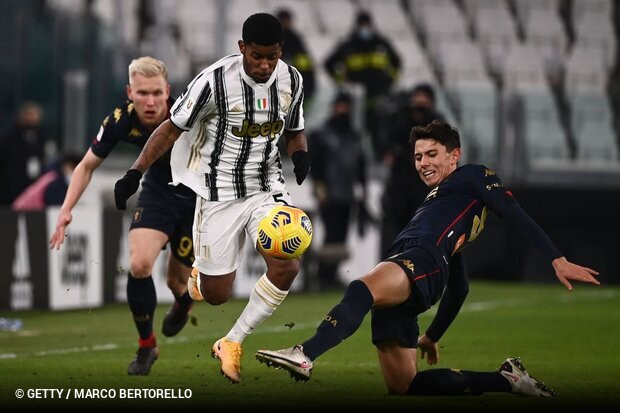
<point x="285" y="232"/>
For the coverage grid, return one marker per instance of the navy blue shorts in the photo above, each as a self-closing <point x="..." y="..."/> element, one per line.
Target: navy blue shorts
<point x="400" y="323"/>
<point x="162" y="209"/>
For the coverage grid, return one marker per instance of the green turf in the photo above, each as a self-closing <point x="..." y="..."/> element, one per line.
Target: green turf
<point x="569" y="340"/>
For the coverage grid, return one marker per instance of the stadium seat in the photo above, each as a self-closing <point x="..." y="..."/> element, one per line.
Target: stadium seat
<point x="597" y="31"/>
<point x="495" y="30"/>
<point x="335" y="17"/>
<point x="416" y="67"/>
<point x="304" y="15"/>
<point x="596" y="143"/>
<point x="527" y="8"/>
<point x="476" y="108"/>
<point x="583" y="7"/>
<point x="539" y="127"/>
<point x="432" y="16"/>
<point x="524" y="70"/>
<point x="473" y="7"/>
<point x="198" y="29"/>
<point x="586" y="72"/>
<point x="319" y="46"/>
<point x="461" y="63"/>
<point x="389" y="17"/>
<point x="589" y="108"/>
<point x="239" y="10"/>
<point x="545" y="33"/>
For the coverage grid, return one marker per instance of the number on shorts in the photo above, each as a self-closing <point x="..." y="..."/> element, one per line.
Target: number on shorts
<point x="185" y="246"/>
<point x="278" y="198"/>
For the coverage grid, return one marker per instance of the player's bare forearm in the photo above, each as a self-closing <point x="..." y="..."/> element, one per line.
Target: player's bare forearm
<point x="295" y="141"/>
<point x="158" y="144"/>
<point x="80" y="179"/>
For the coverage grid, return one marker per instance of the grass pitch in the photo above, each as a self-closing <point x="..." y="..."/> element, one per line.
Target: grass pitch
<point x="568" y="340"/>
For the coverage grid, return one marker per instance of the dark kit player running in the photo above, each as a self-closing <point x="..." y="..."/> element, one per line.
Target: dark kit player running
<point x="163" y="214"/>
<point x="423" y="263"/>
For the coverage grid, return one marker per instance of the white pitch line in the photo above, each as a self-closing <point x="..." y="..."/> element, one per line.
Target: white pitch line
<point x="471" y="307"/>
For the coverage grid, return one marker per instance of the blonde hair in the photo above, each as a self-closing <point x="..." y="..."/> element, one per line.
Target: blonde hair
<point x="147" y="66"/>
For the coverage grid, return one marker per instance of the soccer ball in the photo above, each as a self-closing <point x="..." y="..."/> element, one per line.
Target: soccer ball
<point x="285" y="232"/>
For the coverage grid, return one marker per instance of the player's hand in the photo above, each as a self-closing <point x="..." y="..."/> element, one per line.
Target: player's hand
<point x="566" y="270"/>
<point x="58" y="237"/>
<point x="429" y="349"/>
<point x="126" y="187"/>
<point x="301" y="160"/>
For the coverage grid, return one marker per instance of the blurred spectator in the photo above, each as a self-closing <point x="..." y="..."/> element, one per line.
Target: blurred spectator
<point x="404" y="190"/>
<point x="50" y="188"/>
<point x="295" y="53"/>
<point x="337" y="165"/>
<point x="367" y="58"/>
<point x="165" y="42"/>
<point x="23" y="153"/>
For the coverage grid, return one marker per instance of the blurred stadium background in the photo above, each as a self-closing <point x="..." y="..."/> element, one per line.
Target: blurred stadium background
<point x="533" y="86"/>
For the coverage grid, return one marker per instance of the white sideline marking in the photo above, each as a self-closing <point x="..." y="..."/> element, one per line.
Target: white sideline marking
<point x="471" y="307"/>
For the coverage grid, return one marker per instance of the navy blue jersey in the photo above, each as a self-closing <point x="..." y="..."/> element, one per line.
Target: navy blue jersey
<point x="123" y="125"/>
<point x="454" y="212"/>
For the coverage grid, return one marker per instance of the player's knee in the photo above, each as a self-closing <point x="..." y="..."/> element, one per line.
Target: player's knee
<point x="215" y="298"/>
<point x="140" y="267"/>
<point x="174" y="284"/>
<point x="288" y="268"/>
<point x="398" y="387"/>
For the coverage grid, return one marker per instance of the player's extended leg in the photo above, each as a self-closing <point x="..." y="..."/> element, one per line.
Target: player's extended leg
<point x="145" y="245"/>
<point x="398" y="365"/>
<point x="268" y="293"/>
<point x="386" y="285"/>
<point x="177" y="276"/>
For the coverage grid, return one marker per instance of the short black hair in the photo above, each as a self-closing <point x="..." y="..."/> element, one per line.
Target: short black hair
<point x="425" y="88"/>
<point x="342" y="97"/>
<point x="284" y="14"/>
<point x="439" y="131"/>
<point x="263" y="29"/>
<point x="363" y="18"/>
<point x="71" y="158"/>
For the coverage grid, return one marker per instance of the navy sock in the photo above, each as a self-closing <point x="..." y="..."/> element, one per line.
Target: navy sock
<point x="448" y="382"/>
<point x="184" y="301"/>
<point x="342" y="321"/>
<point x="142" y="299"/>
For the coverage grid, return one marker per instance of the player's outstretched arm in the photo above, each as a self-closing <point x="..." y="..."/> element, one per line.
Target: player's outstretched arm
<point x="79" y="181"/>
<point x="158" y="144"/>
<point x="566" y="270"/>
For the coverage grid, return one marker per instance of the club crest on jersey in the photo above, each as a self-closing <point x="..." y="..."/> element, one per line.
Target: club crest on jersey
<point x="261" y="104"/>
<point x="252" y="130"/>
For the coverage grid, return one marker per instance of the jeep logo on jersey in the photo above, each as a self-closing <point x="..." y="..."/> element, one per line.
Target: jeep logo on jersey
<point x="252" y="130"/>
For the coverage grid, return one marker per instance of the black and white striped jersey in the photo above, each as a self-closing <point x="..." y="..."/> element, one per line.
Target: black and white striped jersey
<point x="233" y="125"/>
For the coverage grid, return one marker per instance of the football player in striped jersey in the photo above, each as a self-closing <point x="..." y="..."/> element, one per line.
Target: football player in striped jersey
<point x="225" y="129"/>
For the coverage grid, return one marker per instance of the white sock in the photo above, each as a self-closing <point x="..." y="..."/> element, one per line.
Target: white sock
<point x="264" y="300"/>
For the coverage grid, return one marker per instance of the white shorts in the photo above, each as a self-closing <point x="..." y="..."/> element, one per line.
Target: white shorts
<point x="220" y="229"/>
